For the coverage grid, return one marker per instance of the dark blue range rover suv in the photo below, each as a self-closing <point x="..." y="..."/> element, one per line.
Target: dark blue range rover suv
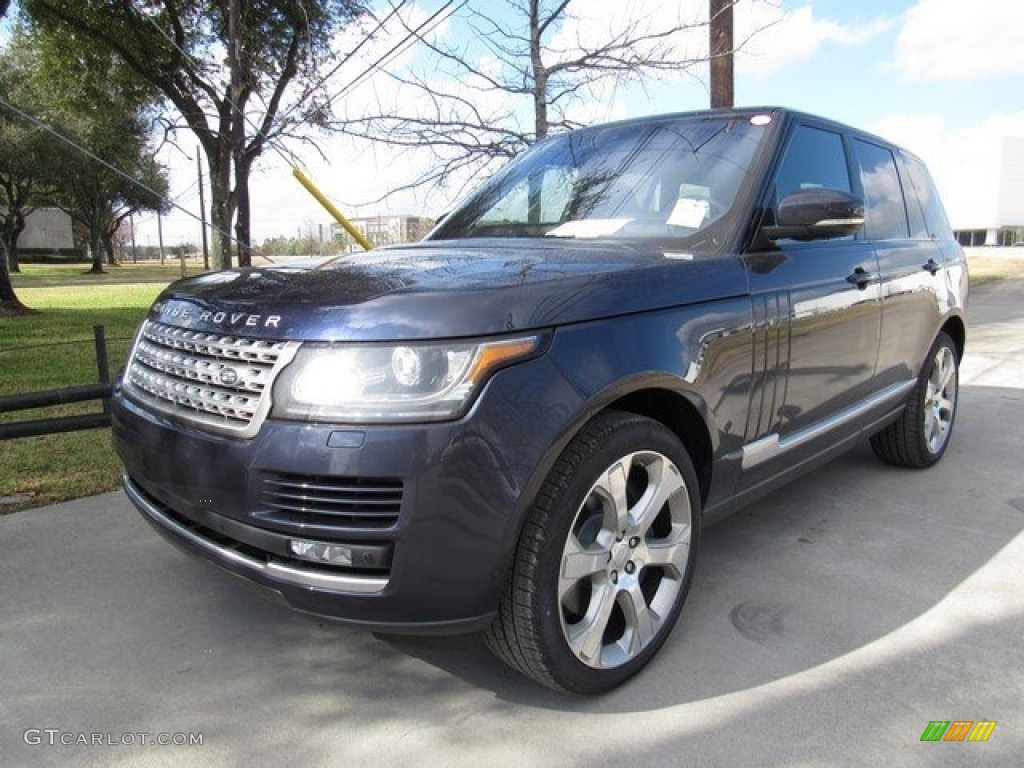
<point x="521" y="424"/>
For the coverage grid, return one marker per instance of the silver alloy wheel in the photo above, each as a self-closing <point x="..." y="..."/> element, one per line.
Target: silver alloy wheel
<point x="940" y="399"/>
<point x="624" y="559"/>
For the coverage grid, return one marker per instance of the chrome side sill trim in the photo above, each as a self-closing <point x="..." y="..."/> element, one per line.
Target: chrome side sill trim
<point x="275" y="570"/>
<point x="771" y="446"/>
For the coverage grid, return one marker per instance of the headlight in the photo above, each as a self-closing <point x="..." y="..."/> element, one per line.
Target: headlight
<point x="360" y="383"/>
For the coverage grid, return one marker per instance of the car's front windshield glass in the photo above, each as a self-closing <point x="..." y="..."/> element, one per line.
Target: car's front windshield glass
<point x="666" y="179"/>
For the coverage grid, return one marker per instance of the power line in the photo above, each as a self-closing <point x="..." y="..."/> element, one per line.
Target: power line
<point x="345" y="59"/>
<point x="433" y="21"/>
<point x="399" y="47"/>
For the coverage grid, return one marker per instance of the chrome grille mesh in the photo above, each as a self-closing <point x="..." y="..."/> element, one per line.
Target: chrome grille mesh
<point x="218" y="381"/>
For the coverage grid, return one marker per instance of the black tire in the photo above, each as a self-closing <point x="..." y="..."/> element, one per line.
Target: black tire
<point x="595" y="587"/>
<point x="920" y="436"/>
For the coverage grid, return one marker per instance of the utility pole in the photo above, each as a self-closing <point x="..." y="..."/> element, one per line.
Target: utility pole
<point x="160" y="235"/>
<point x="721" y="49"/>
<point x="135" y="252"/>
<point x="202" y="211"/>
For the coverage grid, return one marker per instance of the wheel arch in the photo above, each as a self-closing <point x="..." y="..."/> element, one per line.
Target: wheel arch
<point x="682" y="417"/>
<point x="657" y="398"/>
<point x="955" y="328"/>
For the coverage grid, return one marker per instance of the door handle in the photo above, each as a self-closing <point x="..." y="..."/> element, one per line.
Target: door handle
<point x="861" y="278"/>
<point x="931" y="266"/>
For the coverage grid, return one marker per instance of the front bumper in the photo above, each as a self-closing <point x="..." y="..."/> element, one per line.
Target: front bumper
<point x="266" y="570"/>
<point x="432" y="511"/>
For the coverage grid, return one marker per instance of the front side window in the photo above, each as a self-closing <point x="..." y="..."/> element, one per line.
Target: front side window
<point x="669" y="179"/>
<point x="814" y="159"/>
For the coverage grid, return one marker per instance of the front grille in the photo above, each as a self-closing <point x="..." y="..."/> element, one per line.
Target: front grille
<point x="217" y="381"/>
<point x="330" y="503"/>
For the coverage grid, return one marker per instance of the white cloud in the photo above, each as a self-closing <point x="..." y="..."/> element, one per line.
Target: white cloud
<point x="963" y="161"/>
<point x="950" y="40"/>
<point x="593" y="24"/>
<point x="779" y="38"/>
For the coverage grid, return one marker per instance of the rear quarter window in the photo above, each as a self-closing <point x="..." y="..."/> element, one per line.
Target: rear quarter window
<point x="921" y="190"/>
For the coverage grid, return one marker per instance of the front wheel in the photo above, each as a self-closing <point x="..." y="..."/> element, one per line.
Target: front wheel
<point x="920" y="436"/>
<point x="605" y="559"/>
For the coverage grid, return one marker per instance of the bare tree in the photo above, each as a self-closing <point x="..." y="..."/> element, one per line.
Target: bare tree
<point x="467" y="109"/>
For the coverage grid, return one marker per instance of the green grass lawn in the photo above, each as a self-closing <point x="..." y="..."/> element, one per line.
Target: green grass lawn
<point x="63" y="275"/>
<point x="54" y="348"/>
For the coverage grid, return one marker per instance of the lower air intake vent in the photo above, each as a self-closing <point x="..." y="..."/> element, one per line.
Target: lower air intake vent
<point x="330" y="502"/>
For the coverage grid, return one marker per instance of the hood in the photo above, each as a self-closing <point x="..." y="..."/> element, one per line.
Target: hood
<point x="448" y="289"/>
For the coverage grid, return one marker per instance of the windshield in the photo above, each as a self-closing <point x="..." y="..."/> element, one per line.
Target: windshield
<point x="669" y="179"/>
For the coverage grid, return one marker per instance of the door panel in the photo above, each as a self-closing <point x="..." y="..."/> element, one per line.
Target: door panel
<point x="834" y="328"/>
<point x="910" y="309"/>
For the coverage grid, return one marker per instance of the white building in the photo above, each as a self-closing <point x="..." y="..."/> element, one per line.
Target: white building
<point x="989" y="209"/>
<point x="384" y="230"/>
<point x="47" y="234"/>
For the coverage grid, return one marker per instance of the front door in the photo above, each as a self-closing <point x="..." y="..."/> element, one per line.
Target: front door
<point x="817" y="316"/>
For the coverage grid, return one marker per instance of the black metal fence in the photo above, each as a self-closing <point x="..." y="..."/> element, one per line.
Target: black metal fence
<point x="100" y="391"/>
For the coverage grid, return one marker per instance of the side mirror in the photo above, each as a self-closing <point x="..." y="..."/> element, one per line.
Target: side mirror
<point x="817" y="214"/>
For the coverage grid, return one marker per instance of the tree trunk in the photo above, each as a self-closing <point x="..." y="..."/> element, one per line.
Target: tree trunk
<point x="14" y="225"/>
<point x="220" y="214"/>
<point x="9" y="302"/>
<point x="243" y="218"/>
<point x="95" y="250"/>
<point x="108" y="247"/>
<point x="236" y="118"/>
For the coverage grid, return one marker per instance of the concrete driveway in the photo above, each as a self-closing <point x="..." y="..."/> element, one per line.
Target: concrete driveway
<point x="827" y="626"/>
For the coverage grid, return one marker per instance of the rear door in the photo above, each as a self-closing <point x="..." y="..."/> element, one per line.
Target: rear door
<point x="910" y="261"/>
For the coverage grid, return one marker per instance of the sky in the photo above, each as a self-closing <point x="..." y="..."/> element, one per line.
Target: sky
<point x="943" y="78"/>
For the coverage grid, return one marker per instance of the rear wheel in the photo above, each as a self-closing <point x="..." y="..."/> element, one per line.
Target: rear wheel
<point x="605" y="559"/>
<point x="920" y="436"/>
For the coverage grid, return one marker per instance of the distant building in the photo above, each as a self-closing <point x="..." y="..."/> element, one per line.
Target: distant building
<point x="990" y="209"/>
<point x="384" y="230"/>
<point x="48" y="237"/>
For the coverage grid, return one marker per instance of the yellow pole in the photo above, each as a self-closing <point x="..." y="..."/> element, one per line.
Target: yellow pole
<point x="332" y="209"/>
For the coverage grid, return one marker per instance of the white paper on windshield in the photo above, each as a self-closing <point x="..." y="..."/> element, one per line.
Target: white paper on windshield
<point x="589" y="228"/>
<point x="689" y="212"/>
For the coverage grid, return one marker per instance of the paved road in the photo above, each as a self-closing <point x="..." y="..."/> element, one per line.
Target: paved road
<point x="827" y="626"/>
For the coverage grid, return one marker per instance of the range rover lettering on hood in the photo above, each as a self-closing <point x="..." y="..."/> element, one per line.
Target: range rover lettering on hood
<point x="182" y="313"/>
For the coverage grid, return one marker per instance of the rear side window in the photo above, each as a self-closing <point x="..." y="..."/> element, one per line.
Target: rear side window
<point x="814" y="159"/>
<point x="886" y="214"/>
<point x="923" y="189"/>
